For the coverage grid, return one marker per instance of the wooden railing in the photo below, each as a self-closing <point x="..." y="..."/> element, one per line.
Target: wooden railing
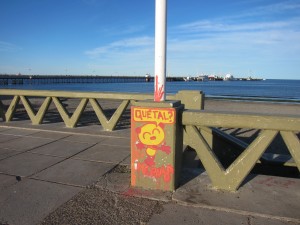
<point x="191" y="99"/>
<point x="197" y="125"/>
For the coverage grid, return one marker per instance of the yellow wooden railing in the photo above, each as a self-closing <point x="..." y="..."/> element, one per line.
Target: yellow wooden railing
<point x="191" y="99"/>
<point x="198" y="123"/>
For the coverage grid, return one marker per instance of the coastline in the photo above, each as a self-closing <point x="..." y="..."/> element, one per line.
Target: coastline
<point x="283" y="91"/>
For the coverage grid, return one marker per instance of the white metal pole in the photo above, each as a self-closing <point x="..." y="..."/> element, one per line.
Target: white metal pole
<point x="160" y="49"/>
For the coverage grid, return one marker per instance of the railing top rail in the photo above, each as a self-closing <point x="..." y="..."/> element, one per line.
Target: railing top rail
<point x="76" y="94"/>
<point x="191" y="99"/>
<point x="241" y="120"/>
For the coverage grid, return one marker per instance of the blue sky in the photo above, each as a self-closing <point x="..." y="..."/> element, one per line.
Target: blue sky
<point x="116" y="37"/>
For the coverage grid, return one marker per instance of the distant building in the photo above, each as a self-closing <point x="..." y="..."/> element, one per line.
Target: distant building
<point x="229" y="77"/>
<point x="148" y="77"/>
<point x="202" y="78"/>
<point x="215" y="78"/>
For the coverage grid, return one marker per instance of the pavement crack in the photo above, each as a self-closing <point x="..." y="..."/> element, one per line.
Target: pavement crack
<point x="64" y="159"/>
<point x="55" y="182"/>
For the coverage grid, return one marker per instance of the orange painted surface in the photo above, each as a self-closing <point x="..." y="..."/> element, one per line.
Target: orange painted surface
<point x="148" y="137"/>
<point x="166" y="116"/>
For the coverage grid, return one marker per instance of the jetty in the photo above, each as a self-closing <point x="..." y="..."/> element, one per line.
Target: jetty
<point x="86" y="79"/>
<point x="75" y="79"/>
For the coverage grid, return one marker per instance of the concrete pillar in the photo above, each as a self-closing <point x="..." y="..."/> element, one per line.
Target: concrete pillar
<point x="156" y="144"/>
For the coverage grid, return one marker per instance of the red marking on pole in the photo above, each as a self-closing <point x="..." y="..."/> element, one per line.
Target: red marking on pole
<point x="158" y="93"/>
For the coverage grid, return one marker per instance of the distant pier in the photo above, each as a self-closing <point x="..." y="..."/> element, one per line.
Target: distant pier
<point x="77" y="79"/>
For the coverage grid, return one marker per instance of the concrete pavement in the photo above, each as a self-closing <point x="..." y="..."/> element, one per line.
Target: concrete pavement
<point x="50" y="174"/>
<point x="40" y="170"/>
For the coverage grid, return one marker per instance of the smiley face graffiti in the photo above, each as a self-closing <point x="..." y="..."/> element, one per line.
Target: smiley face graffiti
<point x="151" y="139"/>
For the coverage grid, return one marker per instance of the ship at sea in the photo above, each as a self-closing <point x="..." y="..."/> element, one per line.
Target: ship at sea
<point x="215" y="78"/>
<point x="202" y="78"/>
<point x="230" y="77"/>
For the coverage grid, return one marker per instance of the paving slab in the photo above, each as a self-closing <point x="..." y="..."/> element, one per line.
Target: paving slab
<point x="47" y="126"/>
<point x="92" y="139"/>
<point x="61" y="148"/>
<point x="75" y="172"/>
<point x="3" y="128"/>
<point x="262" y="195"/>
<point x="126" y="161"/>
<point x="5" y="153"/>
<point x="98" y="129"/>
<point x="30" y="201"/>
<point x="25" y="143"/>
<point x="19" y="131"/>
<point x="89" y="129"/>
<point x="116" y="141"/>
<point x="61" y="127"/>
<point x="125" y="133"/>
<point x="105" y="153"/>
<point x="26" y="164"/>
<point x="50" y="135"/>
<point x="7" y="137"/>
<point x="54" y="126"/>
<point x="177" y="214"/>
<point x="6" y="182"/>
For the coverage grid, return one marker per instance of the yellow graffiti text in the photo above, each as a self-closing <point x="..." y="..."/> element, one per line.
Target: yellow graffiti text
<point x="154" y="115"/>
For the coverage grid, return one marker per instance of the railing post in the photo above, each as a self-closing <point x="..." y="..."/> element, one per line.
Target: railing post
<point x="156" y="144"/>
<point x="2" y="114"/>
<point x="191" y="99"/>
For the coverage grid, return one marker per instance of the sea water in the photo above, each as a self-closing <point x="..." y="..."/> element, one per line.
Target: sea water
<point x="270" y="89"/>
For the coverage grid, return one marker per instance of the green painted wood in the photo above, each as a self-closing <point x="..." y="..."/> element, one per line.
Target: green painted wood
<point x="73" y="94"/>
<point x="42" y="111"/>
<point x="191" y="99"/>
<point x="110" y="124"/>
<point x="231" y="178"/>
<point x="212" y="165"/>
<point x="292" y="142"/>
<point x="242" y="166"/>
<point x="61" y="110"/>
<point x="2" y="113"/>
<point x="12" y="108"/>
<point x="70" y="121"/>
<point x="36" y="118"/>
<point x="238" y="120"/>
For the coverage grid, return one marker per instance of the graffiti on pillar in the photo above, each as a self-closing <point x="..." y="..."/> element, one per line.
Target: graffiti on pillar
<point x="151" y="139"/>
<point x="151" y="153"/>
